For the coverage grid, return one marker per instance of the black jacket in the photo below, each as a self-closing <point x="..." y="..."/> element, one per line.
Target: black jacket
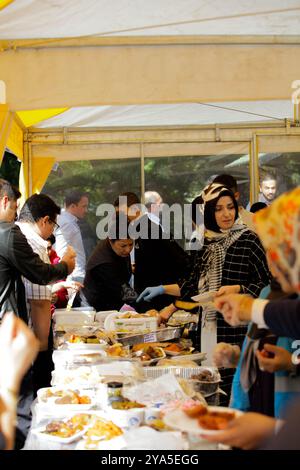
<point x="158" y="259"/>
<point x="283" y="317"/>
<point x="17" y="258"/>
<point x="106" y="283"/>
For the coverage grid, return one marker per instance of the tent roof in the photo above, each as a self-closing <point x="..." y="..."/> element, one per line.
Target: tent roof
<point x="118" y="85"/>
<point x="73" y="18"/>
<point x="173" y="114"/>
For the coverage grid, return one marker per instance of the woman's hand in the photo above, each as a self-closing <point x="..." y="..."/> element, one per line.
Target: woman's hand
<point x="166" y="312"/>
<point x="226" y="355"/>
<point x="73" y="286"/>
<point x="282" y="359"/>
<point x="225" y="290"/>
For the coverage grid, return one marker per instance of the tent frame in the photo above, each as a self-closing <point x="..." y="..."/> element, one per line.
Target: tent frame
<point x="71" y="144"/>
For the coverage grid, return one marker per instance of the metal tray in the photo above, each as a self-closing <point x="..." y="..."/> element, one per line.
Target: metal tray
<point x="165" y="334"/>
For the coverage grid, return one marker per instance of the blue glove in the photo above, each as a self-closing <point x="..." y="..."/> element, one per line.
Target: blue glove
<point x="150" y="292"/>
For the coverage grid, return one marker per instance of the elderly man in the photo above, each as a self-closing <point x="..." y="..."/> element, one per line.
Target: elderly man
<point x="153" y="203"/>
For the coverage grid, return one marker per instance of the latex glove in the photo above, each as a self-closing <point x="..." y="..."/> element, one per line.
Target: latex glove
<point x="226" y="355"/>
<point x="150" y="292"/>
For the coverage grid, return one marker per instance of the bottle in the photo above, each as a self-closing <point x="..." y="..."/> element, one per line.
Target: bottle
<point x="114" y="392"/>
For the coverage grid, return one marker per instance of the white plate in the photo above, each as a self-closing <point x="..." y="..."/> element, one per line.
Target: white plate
<point x="179" y="353"/>
<point x="177" y="419"/>
<point x="192" y="357"/>
<point x="204" y="298"/>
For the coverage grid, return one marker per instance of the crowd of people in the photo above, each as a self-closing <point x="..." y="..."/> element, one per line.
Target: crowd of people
<point x="250" y="263"/>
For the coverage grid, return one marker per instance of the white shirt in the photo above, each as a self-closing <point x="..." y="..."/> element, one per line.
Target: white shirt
<point x="39" y="246"/>
<point x="257" y="312"/>
<point x="69" y="233"/>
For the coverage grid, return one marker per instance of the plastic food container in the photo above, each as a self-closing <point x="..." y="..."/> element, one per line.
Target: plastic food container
<point x="73" y="317"/>
<point x="206" y="386"/>
<point x="130" y="325"/>
<point x="100" y="317"/>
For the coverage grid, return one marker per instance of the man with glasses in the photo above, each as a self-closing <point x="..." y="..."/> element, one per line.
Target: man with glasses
<point x="76" y="206"/>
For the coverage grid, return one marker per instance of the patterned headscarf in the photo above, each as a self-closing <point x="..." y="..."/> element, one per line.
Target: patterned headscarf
<point x="278" y="227"/>
<point x="210" y="196"/>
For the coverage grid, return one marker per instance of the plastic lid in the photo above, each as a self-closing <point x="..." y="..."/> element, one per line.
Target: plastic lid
<point x="114" y="384"/>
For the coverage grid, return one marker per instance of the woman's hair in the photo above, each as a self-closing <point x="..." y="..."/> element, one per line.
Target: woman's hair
<point x="257" y="206"/>
<point x="119" y="228"/>
<point x="210" y="222"/>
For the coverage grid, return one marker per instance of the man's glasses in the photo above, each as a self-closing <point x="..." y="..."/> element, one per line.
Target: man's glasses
<point x="56" y="226"/>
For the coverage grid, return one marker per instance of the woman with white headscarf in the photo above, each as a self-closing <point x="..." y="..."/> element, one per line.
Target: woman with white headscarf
<point x="231" y="260"/>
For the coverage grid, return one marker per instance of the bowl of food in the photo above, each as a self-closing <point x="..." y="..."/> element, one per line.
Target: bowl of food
<point x="206" y="381"/>
<point x="126" y="414"/>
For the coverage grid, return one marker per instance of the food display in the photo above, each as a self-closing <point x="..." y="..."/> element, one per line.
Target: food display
<point x="177" y="363"/>
<point x="100" y="430"/>
<point x="131" y="323"/>
<point x="206" y="381"/>
<point x="215" y="420"/>
<point x="82" y="339"/>
<point x="67" y="429"/>
<point x="209" y="419"/>
<point x="194" y="410"/>
<point x="176" y="349"/>
<point x="149" y="353"/>
<point x="125" y="404"/>
<point x="205" y="375"/>
<point x="105" y="374"/>
<point x="63" y="397"/>
<point x="198" y="419"/>
<point x="117" y="350"/>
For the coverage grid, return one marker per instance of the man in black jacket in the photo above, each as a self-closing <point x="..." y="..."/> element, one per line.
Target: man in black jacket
<point x="158" y="258"/>
<point x="16" y="259"/>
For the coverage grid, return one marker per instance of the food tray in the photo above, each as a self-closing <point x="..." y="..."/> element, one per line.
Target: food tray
<point x="179" y="371"/>
<point x="165" y="334"/>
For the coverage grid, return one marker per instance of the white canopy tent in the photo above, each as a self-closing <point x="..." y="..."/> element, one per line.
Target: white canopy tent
<point x="175" y="77"/>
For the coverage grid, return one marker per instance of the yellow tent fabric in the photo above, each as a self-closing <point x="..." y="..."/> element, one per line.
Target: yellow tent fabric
<point x="5" y="125"/>
<point x="31" y="118"/>
<point x="40" y="170"/>
<point x="4" y="3"/>
<point x="15" y="140"/>
<point x="40" y="167"/>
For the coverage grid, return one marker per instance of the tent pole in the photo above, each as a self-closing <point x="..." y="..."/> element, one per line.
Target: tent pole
<point x="142" y="173"/>
<point x="254" y="173"/>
